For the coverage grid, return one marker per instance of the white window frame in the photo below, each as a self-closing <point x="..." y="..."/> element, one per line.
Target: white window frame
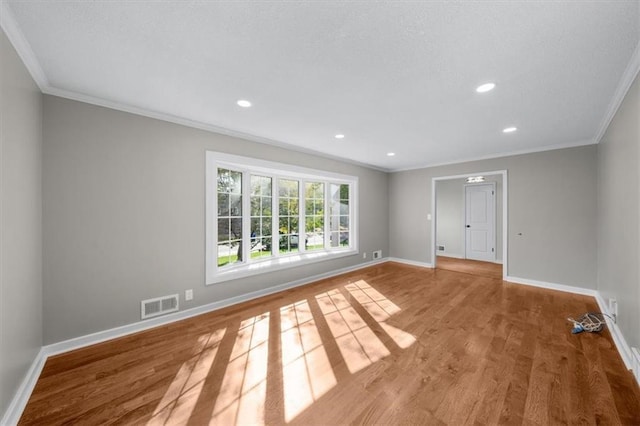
<point x="278" y="261"/>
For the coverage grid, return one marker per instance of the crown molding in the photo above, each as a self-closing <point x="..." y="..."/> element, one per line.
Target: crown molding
<point x="118" y="106"/>
<point x="26" y="54"/>
<point x="22" y="46"/>
<point x="501" y="155"/>
<point x="28" y="57"/>
<point x="624" y="85"/>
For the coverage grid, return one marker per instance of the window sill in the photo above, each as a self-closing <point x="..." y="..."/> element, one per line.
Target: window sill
<point x="277" y="264"/>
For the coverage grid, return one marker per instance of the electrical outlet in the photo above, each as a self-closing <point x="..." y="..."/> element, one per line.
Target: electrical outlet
<point x="364" y="255"/>
<point x="613" y="309"/>
<point x="188" y="294"/>
<point x="377" y="254"/>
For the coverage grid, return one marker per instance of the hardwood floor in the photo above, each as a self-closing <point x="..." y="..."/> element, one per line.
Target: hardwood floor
<point x="475" y="267"/>
<point x="389" y="344"/>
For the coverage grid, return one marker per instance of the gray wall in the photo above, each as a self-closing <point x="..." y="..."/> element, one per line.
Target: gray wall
<point x="20" y="221"/>
<point x="124" y="215"/>
<point x="619" y="213"/>
<point x="552" y="202"/>
<point x="450" y="231"/>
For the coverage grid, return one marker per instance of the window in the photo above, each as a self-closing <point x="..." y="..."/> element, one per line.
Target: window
<point x="288" y="201"/>
<point x="339" y="222"/>
<point x="314" y="215"/>
<point x="263" y="216"/>
<point x="229" y="217"/>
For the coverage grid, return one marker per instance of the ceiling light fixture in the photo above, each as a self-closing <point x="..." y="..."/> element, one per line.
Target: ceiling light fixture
<point x="509" y="130"/>
<point x="475" y="179"/>
<point x="339" y="136"/>
<point x="390" y="154"/>
<point x="485" y="87"/>
<point x="244" y="103"/>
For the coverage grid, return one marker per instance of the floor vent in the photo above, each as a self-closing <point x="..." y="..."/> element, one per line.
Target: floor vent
<point x="159" y="306"/>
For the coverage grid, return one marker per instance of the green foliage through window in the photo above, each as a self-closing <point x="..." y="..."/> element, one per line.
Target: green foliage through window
<point x="321" y="201"/>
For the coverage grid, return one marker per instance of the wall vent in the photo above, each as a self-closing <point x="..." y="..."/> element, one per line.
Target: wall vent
<point x="158" y="306"/>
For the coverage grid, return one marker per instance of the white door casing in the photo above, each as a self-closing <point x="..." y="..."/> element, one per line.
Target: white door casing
<point x="480" y="221"/>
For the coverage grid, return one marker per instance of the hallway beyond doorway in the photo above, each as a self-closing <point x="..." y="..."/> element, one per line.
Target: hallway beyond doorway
<point x="473" y="267"/>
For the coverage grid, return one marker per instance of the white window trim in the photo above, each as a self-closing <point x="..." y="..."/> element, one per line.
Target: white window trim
<point x="214" y="160"/>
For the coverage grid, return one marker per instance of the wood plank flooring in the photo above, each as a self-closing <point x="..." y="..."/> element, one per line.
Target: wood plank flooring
<point x="475" y="267"/>
<point x="389" y="344"/>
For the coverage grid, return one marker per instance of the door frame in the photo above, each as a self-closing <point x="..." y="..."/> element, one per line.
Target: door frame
<point x="495" y="217"/>
<point x="505" y="214"/>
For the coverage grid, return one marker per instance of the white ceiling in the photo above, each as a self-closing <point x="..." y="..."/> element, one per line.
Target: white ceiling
<point x="392" y="76"/>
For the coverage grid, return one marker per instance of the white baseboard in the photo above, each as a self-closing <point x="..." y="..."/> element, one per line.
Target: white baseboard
<point x="631" y="357"/>
<point x="453" y="255"/>
<point x="16" y="407"/>
<point x="458" y="256"/>
<point x="21" y="397"/>
<point x="618" y="338"/>
<point x="101" y="336"/>
<point x="636" y="363"/>
<point x="552" y="286"/>
<point x="410" y="262"/>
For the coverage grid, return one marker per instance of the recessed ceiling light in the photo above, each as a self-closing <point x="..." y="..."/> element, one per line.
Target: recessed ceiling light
<point x="509" y="129"/>
<point x="339" y="136"/>
<point x="244" y="103"/>
<point x="485" y="87"/>
<point x="391" y="154"/>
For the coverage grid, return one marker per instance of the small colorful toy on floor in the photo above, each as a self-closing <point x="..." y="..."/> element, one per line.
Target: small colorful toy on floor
<point x="593" y="322"/>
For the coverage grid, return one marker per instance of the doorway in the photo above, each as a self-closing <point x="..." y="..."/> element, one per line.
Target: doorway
<point x="449" y="218"/>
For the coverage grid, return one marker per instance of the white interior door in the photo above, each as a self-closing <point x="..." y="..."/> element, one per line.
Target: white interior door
<point x="480" y="222"/>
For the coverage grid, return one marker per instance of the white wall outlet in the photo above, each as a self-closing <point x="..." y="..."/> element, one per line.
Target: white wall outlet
<point x="188" y="294"/>
<point x="613" y="309"/>
<point x="377" y="254"/>
<point x="364" y="255"/>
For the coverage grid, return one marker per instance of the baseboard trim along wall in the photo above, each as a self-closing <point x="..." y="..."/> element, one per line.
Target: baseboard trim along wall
<point x="410" y="262"/>
<point x="630" y="357"/>
<point x="20" y="399"/>
<point x="552" y="286"/>
<point x="453" y="255"/>
<point x="636" y="363"/>
<point x="459" y="256"/>
<point x="618" y="338"/>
